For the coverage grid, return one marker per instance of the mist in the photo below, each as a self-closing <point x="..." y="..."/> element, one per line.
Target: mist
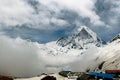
<point x="23" y="58"/>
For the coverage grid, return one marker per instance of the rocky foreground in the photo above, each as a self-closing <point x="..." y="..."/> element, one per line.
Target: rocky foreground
<point x="5" y="77"/>
<point x="57" y="76"/>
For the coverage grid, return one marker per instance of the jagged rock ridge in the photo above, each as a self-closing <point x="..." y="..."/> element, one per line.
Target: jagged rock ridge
<point x="115" y="38"/>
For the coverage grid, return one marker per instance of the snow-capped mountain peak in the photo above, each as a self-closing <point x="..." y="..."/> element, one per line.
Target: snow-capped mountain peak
<point x="83" y="29"/>
<point x="83" y="38"/>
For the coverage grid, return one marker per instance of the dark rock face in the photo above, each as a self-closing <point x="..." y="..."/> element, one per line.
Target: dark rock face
<point x="83" y="34"/>
<point x="49" y="78"/>
<point x="5" y="78"/>
<point x="115" y="38"/>
<point x="101" y="65"/>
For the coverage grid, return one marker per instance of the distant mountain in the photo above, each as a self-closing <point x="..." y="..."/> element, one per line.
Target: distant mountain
<point x="82" y="44"/>
<point x="84" y="38"/>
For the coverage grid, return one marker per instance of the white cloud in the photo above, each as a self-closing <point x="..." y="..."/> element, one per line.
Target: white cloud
<point x="83" y="8"/>
<point x="22" y="58"/>
<point x="17" y="56"/>
<point x="109" y="12"/>
<point x="17" y="12"/>
<point x="14" y="12"/>
<point x="57" y="15"/>
<point x="58" y="22"/>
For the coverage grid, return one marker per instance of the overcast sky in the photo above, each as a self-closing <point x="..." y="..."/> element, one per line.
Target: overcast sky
<point x="48" y="20"/>
<point x="43" y="21"/>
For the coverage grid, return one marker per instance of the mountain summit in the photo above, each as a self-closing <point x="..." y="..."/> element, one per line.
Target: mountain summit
<point x="83" y="38"/>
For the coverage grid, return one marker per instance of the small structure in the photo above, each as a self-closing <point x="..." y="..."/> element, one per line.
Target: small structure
<point x="112" y="71"/>
<point x="86" y="77"/>
<point x="64" y="73"/>
<point x="116" y="72"/>
<point x="70" y="74"/>
<point x="103" y="75"/>
<point x="74" y="75"/>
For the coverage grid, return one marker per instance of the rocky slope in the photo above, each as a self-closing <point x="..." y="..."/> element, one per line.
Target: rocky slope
<point x="109" y="56"/>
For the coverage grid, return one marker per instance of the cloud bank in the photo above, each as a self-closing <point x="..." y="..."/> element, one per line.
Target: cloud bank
<point x="14" y="12"/>
<point x="22" y="58"/>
